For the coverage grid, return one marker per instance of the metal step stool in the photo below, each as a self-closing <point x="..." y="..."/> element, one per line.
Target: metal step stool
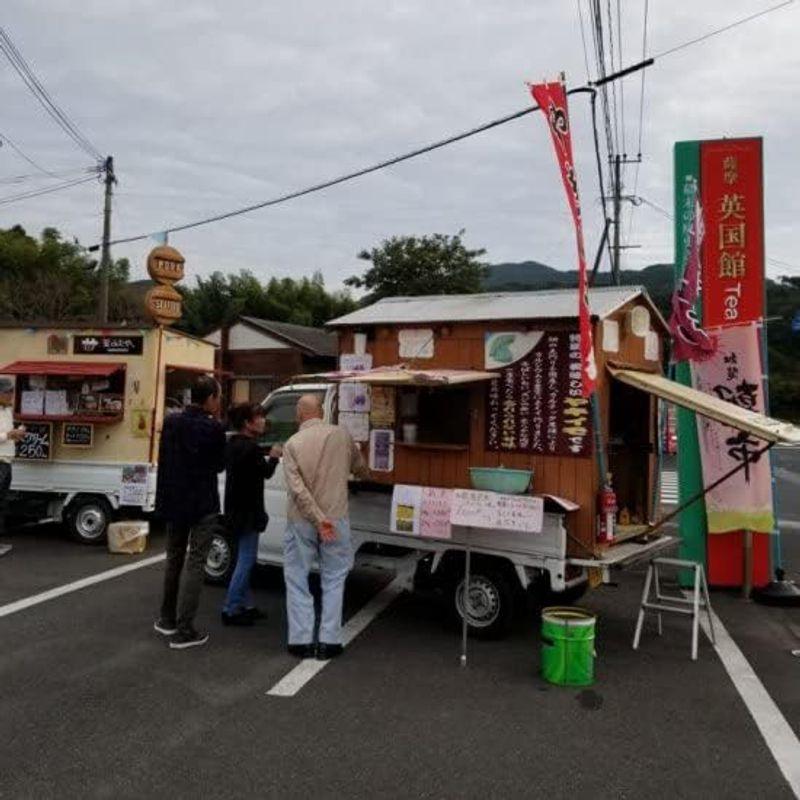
<point x="676" y="604"/>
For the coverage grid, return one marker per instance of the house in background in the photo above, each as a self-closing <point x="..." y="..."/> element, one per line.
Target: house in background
<point x="256" y="356"/>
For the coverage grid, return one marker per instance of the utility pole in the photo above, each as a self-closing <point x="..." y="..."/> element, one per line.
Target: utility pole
<point x="616" y="198"/>
<point x="105" y="254"/>
<point x="615" y="271"/>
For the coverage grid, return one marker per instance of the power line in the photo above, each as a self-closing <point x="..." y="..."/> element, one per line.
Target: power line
<point x="350" y="175"/>
<point x="47" y="190"/>
<point x="621" y="83"/>
<point x="641" y="119"/>
<point x="15" y="179"/>
<point x="36" y="88"/>
<point x="717" y="31"/>
<point x="23" y="155"/>
<point x="583" y="38"/>
<point x="601" y="82"/>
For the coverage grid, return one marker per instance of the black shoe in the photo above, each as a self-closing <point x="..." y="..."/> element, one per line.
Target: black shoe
<point x="301" y="650"/>
<point x="165" y="627"/>
<point x="185" y="639"/>
<point x="328" y="651"/>
<point x="241" y="619"/>
<point x="255" y="613"/>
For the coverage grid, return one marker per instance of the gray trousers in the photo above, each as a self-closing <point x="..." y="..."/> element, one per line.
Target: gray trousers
<point x="198" y="538"/>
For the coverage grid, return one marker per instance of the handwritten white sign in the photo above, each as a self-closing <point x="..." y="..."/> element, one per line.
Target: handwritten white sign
<point x="474" y="509"/>
<point x="520" y="513"/>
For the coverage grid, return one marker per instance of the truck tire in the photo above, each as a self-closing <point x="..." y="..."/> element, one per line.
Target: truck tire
<point x="493" y="602"/>
<point x="221" y="559"/>
<point x="87" y="518"/>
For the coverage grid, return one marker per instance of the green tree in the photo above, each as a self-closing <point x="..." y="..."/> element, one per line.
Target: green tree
<point x="220" y="299"/>
<point x="53" y="280"/>
<point x="419" y="265"/>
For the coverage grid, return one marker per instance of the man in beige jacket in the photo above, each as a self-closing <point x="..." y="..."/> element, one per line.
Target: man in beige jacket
<point x="317" y="463"/>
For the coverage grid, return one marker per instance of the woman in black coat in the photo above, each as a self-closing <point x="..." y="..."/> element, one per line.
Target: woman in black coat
<point x="246" y="469"/>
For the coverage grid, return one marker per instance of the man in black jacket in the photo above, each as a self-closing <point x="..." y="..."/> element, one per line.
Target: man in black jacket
<point x="191" y="454"/>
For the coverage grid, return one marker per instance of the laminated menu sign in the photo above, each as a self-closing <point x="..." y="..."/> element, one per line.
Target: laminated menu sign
<point x="133" y="491"/>
<point x="357" y="425"/>
<point x="434" y="517"/>
<point x="537" y="406"/>
<point x="354" y="397"/>
<point x="382" y="406"/>
<point x="406" y="507"/>
<point x="381" y="450"/>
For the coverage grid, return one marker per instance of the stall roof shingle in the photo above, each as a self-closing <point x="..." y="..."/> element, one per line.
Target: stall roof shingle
<point x="545" y="304"/>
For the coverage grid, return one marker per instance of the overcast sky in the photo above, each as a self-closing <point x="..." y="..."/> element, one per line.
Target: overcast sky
<point x="207" y="106"/>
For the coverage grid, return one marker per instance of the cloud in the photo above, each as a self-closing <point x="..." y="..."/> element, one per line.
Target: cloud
<point x="209" y="106"/>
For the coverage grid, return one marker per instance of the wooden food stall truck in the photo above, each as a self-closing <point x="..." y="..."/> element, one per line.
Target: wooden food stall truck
<point x="441" y="391"/>
<point x="93" y="400"/>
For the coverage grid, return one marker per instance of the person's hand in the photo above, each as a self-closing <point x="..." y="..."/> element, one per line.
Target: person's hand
<point x="327" y="531"/>
<point x="17" y="434"/>
<point x="276" y="451"/>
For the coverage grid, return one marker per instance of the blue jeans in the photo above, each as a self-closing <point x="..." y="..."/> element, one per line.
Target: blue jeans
<point x="239" y="597"/>
<point x="301" y="547"/>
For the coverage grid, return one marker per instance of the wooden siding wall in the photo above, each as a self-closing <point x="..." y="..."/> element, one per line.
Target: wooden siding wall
<point x="461" y="346"/>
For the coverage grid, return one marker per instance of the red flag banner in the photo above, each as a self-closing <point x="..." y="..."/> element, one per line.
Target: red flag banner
<point x="689" y="341"/>
<point x="552" y="100"/>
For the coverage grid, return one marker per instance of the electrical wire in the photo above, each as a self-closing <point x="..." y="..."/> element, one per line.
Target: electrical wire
<point x="621" y="83"/>
<point x="16" y="179"/>
<point x="23" y="155"/>
<point x="641" y="120"/>
<point x="717" y="31"/>
<point x="601" y="82"/>
<point x="583" y="38"/>
<point x="36" y="88"/>
<point x="58" y="187"/>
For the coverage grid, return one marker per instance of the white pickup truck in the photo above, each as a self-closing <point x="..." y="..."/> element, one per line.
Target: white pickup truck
<point x="506" y="567"/>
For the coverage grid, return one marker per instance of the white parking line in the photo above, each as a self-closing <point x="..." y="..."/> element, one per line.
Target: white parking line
<point x="778" y="734"/>
<point x="67" y="588"/>
<point x="291" y="683"/>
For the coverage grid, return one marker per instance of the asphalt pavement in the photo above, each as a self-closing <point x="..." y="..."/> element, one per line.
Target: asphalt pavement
<point x="94" y="704"/>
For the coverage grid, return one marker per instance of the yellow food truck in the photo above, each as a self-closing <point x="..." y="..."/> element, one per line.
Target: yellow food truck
<point x="93" y="400"/>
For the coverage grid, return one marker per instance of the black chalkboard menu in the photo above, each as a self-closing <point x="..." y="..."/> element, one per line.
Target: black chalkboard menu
<point x="77" y="434"/>
<point x="36" y="445"/>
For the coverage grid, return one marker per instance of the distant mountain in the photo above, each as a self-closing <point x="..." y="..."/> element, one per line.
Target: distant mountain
<point x="535" y="275"/>
<point x="527" y="275"/>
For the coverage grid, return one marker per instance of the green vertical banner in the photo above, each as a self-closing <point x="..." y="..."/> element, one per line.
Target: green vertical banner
<point x="690" y="472"/>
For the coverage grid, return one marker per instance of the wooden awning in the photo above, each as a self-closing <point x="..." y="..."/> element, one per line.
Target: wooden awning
<point x="707" y="405"/>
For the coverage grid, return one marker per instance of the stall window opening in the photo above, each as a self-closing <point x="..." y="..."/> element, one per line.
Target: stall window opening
<point x="441" y="415"/>
<point x="72" y="397"/>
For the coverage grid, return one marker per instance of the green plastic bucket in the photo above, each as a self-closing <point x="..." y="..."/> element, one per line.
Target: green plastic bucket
<point x="568" y="646"/>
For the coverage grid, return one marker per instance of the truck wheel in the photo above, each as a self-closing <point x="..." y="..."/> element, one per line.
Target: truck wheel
<point x="492" y="603"/>
<point x="221" y="559"/>
<point x="87" y="519"/>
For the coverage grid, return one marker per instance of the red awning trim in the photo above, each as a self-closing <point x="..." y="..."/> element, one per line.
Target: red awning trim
<point x="81" y="368"/>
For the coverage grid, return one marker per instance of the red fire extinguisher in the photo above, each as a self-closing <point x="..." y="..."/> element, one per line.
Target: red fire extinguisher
<point x="607" y="508"/>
